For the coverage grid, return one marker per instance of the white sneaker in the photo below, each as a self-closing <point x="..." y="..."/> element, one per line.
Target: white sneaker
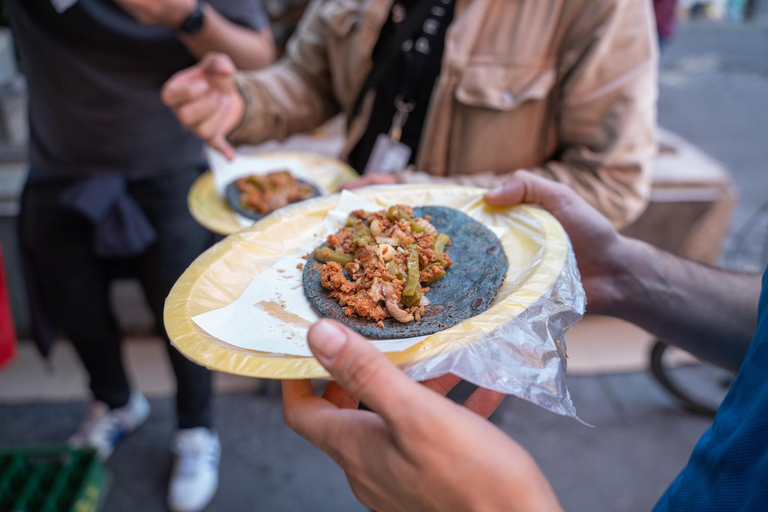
<point x="195" y="475"/>
<point x="104" y="428"/>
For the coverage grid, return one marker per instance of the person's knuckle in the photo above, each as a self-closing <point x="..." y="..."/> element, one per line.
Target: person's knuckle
<point x="184" y="114"/>
<point x="289" y="417"/>
<point x="165" y="91"/>
<point x="207" y="131"/>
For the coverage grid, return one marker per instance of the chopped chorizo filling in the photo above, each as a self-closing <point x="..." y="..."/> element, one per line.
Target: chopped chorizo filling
<point x="269" y="192"/>
<point x="375" y="266"/>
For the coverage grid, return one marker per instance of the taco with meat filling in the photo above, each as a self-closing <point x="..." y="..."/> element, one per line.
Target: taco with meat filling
<point x="258" y="195"/>
<point x="403" y="272"/>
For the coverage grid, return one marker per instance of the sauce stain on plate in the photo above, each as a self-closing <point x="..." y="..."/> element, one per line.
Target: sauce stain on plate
<point x="276" y="310"/>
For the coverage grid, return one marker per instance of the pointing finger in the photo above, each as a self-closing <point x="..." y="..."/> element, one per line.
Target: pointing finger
<point x="219" y="143"/>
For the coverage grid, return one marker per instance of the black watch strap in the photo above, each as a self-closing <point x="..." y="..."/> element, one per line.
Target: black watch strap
<point x="194" y="22"/>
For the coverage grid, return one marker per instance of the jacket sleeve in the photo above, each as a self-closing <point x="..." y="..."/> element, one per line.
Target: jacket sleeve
<point x="606" y="113"/>
<point x="295" y="95"/>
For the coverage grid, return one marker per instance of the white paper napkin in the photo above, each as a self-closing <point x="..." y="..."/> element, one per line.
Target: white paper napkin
<point x="273" y="313"/>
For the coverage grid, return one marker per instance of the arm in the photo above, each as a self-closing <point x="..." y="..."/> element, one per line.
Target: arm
<point x="606" y="114"/>
<point x="293" y="96"/>
<point x="709" y="312"/>
<point x="404" y="455"/>
<point x="249" y="49"/>
<point x="221" y="106"/>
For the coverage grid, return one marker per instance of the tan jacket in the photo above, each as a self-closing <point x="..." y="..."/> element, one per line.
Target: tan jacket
<point x="565" y="88"/>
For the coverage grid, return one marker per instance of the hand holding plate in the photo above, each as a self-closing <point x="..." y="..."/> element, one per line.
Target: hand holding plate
<point x="600" y="249"/>
<point x="418" y="450"/>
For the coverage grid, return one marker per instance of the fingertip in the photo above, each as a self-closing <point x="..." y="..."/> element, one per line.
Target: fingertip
<point x="499" y="196"/>
<point x="220" y="143"/>
<point x="511" y="192"/>
<point x="494" y="193"/>
<point x="225" y="66"/>
<point x="220" y="64"/>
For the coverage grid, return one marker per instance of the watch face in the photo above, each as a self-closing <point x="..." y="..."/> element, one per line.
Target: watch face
<point x="194" y="21"/>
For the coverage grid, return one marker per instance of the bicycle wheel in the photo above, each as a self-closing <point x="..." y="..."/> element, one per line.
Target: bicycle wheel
<point x="700" y="386"/>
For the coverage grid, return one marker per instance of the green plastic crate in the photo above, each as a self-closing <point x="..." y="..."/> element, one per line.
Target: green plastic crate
<point x="52" y="479"/>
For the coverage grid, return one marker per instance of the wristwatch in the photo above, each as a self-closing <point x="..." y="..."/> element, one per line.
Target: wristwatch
<point x="195" y="20"/>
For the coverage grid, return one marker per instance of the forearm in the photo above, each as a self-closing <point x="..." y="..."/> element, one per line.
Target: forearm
<point x="709" y="312"/>
<point x="279" y="102"/>
<point x="295" y="95"/>
<point x="248" y="49"/>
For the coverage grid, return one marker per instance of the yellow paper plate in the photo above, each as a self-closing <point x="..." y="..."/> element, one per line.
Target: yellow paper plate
<point x="211" y="210"/>
<point x="535" y="243"/>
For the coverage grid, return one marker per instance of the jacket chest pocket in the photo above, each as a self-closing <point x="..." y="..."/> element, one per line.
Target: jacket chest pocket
<point x="502" y="117"/>
<point x="504" y="87"/>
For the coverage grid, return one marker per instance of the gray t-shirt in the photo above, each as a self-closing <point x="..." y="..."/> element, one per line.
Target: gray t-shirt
<point x="94" y="76"/>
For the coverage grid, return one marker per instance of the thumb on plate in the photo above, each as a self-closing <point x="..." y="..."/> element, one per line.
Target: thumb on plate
<point x="361" y="369"/>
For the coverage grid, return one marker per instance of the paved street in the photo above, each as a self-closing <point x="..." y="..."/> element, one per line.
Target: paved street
<point x="640" y="441"/>
<point x="714" y="91"/>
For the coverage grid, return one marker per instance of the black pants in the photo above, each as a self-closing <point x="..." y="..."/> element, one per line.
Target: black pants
<point x="75" y="283"/>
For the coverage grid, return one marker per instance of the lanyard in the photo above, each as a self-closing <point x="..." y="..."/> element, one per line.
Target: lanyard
<point x="417" y="52"/>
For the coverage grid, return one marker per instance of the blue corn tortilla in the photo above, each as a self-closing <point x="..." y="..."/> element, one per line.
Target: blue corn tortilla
<point x="468" y="289"/>
<point x="233" y="199"/>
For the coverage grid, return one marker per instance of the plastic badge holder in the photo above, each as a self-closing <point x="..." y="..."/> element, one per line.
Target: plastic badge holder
<point x="516" y="347"/>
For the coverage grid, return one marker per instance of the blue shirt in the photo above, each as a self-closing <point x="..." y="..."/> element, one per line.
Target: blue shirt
<point x="728" y="469"/>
